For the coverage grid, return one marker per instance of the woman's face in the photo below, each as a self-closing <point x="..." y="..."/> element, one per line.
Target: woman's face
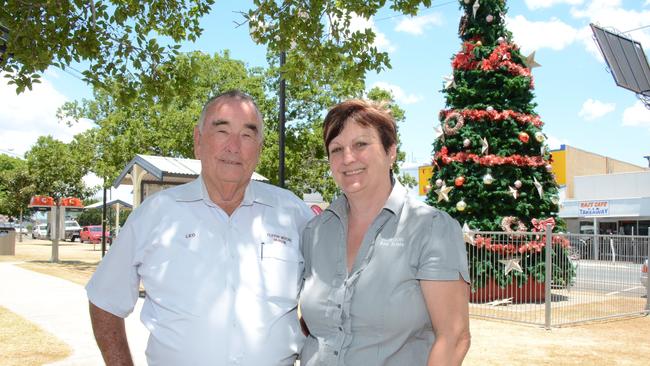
<point x="358" y="160"/>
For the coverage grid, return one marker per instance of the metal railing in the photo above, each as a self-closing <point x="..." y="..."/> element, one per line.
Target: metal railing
<point x="585" y="282"/>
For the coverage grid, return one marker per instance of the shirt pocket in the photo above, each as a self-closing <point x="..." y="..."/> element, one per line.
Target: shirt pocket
<point x="282" y="266"/>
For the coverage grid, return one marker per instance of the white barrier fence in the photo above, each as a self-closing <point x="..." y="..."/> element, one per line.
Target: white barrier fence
<point x="592" y="277"/>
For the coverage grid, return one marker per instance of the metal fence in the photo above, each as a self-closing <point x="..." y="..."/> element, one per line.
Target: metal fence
<point x="592" y="277"/>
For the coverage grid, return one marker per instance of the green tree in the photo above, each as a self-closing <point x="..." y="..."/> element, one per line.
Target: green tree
<point x="58" y="168"/>
<point x="492" y="162"/>
<point x="165" y="127"/>
<point x="323" y="47"/>
<point x="158" y="127"/>
<point x="16" y="186"/>
<point x="115" y="39"/>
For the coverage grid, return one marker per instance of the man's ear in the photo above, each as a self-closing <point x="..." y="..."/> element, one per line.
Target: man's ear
<point x="197" y="143"/>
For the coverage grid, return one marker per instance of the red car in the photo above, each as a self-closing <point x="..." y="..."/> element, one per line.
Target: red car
<point x="93" y="234"/>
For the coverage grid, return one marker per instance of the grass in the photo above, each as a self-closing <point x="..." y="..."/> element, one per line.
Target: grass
<point x="77" y="261"/>
<point x="23" y="343"/>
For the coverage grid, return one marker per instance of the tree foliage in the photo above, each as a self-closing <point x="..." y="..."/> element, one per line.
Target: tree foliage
<point x="323" y="43"/>
<point x="116" y="39"/>
<point x="16" y="186"/>
<point x="57" y="168"/>
<point x="165" y="127"/>
<point x="155" y="127"/>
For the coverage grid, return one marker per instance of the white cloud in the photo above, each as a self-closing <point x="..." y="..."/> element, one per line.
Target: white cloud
<point x="358" y="23"/>
<point x="540" y="4"/>
<point x="26" y="116"/>
<point x="636" y="115"/>
<point x="593" y="109"/>
<point x="610" y="14"/>
<point x="400" y="95"/>
<point x="554" y="142"/>
<point x="532" y="35"/>
<point x="417" y="25"/>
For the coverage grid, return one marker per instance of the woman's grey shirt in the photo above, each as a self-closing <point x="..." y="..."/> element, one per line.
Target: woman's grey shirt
<point x="376" y="314"/>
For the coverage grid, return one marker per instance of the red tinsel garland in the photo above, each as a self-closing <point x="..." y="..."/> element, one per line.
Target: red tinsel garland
<point x="489" y="160"/>
<point x="499" y="58"/>
<point x="493" y="115"/>
<point x="532" y="246"/>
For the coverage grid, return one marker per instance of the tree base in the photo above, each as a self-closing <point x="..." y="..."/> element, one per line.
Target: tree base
<point x="530" y="292"/>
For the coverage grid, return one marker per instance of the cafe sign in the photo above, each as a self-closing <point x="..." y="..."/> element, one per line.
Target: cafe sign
<point x="594" y="208"/>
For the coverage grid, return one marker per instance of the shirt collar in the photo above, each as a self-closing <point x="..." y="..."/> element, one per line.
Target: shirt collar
<point x="196" y="191"/>
<point x="192" y="191"/>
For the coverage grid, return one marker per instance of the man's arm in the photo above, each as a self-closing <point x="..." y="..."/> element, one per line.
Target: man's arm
<point x="110" y="335"/>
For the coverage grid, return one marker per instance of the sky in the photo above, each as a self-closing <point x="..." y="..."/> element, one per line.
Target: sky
<point x="577" y="98"/>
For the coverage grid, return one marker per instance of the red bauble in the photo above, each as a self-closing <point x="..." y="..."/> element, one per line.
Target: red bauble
<point x="523" y="137"/>
<point x="459" y="181"/>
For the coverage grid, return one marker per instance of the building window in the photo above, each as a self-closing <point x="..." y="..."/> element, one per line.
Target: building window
<point x="628" y="228"/>
<point x="643" y="227"/>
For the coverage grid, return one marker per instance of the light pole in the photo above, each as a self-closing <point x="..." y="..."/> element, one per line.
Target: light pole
<point x="282" y="121"/>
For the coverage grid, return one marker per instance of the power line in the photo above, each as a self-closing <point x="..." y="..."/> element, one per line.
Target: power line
<point x="69" y="73"/>
<point x="636" y="29"/>
<point x="421" y="12"/>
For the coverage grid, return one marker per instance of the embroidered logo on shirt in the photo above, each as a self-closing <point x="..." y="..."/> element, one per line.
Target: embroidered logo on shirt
<point x="279" y="238"/>
<point x="390" y="242"/>
<point x="190" y="235"/>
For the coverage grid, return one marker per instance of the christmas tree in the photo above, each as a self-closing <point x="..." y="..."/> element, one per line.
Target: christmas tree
<point x="492" y="167"/>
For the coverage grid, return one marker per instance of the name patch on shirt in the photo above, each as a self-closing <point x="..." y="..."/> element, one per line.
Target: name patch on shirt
<point x="279" y="238"/>
<point x="390" y="242"/>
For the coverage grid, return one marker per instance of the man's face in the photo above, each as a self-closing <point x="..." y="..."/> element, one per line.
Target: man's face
<point x="230" y="142"/>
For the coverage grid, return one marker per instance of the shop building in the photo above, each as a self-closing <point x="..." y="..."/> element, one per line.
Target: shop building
<point x="602" y="194"/>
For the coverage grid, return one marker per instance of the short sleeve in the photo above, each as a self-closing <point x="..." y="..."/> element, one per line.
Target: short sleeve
<point x="114" y="287"/>
<point x="305" y="246"/>
<point x="443" y="256"/>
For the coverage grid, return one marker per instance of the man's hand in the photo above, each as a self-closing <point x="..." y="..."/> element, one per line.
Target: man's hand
<point x="110" y="335"/>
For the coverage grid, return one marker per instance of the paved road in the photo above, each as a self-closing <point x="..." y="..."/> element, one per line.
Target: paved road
<point x="608" y="277"/>
<point x="61" y="308"/>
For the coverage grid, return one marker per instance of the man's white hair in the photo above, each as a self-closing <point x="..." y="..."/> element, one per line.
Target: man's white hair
<point x="230" y="95"/>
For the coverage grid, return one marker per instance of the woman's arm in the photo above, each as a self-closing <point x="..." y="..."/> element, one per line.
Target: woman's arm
<point x="447" y="302"/>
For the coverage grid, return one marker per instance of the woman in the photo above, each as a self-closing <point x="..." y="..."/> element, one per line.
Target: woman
<point x="386" y="280"/>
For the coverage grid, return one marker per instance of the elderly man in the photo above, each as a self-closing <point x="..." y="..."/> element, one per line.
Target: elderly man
<point x="219" y="258"/>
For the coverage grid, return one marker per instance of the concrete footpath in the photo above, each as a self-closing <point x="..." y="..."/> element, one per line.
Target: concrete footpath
<point x="61" y="308"/>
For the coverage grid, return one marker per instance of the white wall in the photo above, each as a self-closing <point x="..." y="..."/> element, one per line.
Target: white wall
<point x="609" y="186"/>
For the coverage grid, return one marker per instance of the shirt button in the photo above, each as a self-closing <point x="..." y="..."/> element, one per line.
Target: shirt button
<point x="336" y="353"/>
<point x="340" y="329"/>
<point x="338" y="306"/>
